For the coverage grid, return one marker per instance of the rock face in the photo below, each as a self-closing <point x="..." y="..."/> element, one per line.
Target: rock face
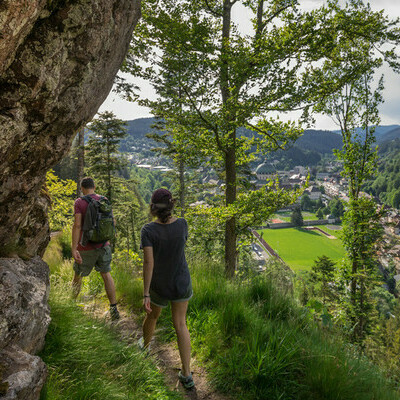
<point x="24" y="318"/>
<point x="58" y="60"/>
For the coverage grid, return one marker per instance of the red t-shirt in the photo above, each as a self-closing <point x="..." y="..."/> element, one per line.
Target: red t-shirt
<point x="80" y="207"/>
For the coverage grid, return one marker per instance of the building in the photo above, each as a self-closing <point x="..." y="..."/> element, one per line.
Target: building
<point x="265" y="171"/>
<point x="313" y="192"/>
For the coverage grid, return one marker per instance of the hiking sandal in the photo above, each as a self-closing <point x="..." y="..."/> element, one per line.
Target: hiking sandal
<point x="114" y="313"/>
<point x="187" y="381"/>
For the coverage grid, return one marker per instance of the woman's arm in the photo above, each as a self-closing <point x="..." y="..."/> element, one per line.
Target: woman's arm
<point x="148" y="264"/>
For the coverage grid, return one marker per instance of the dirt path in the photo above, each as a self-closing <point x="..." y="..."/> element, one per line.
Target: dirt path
<point x="166" y="356"/>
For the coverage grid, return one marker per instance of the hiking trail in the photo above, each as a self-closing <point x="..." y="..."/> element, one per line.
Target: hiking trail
<point x="164" y="355"/>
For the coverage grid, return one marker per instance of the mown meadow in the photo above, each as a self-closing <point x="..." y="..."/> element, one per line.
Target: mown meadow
<point x="299" y="247"/>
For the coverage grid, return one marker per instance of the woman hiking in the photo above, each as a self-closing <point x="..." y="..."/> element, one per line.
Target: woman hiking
<point x="166" y="276"/>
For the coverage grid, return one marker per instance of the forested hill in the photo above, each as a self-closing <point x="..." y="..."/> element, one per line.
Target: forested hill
<point x="315" y="140"/>
<point x="319" y="141"/>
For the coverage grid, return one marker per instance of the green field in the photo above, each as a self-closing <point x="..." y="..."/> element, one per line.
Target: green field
<point x="299" y="248"/>
<point x="285" y="216"/>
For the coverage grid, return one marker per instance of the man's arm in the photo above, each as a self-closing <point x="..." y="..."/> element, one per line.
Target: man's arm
<point x="148" y="264"/>
<point x="76" y="233"/>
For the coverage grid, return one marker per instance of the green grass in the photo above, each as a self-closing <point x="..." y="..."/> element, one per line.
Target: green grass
<point x="299" y="248"/>
<point x="258" y="344"/>
<point x="85" y="358"/>
<point x="251" y="336"/>
<point x="285" y="216"/>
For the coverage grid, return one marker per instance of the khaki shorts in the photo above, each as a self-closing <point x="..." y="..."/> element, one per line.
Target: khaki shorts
<point x="99" y="258"/>
<point x="162" y="302"/>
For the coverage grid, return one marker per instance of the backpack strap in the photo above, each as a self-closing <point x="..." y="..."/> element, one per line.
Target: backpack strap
<point x="88" y="198"/>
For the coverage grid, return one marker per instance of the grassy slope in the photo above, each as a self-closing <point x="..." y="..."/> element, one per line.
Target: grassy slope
<point x="84" y="357"/>
<point x="258" y="344"/>
<point x="253" y="338"/>
<point x="299" y="248"/>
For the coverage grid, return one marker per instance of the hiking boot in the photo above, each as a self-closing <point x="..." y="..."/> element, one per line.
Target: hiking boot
<point x="187" y="381"/>
<point x="114" y="313"/>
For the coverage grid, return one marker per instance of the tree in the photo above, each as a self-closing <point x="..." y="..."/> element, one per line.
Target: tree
<point x="357" y="105"/>
<point x="336" y="208"/>
<point x="297" y="218"/>
<point x="323" y="272"/>
<point x="103" y="157"/>
<point x="228" y="80"/>
<point x="177" y="148"/>
<point x="306" y="203"/>
<point x="61" y="193"/>
<point x="319" y="213"/>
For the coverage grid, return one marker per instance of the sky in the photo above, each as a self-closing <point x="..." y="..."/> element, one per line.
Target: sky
<point x="389" y="110"/>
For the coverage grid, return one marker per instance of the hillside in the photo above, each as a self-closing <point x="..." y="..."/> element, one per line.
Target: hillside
<point x="307" y="150"/>
<point x="320" y="141"/>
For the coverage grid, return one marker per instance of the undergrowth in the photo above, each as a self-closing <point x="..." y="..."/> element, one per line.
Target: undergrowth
<point x="253" y="338"/>
<point x="257" y="343"/>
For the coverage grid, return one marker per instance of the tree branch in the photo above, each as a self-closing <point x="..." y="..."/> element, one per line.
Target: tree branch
<point x="213" y="12"/>
<point x="214" y="128"/>
<point x="257" y="129"/>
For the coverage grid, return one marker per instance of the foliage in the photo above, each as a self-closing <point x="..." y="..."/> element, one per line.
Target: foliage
<point x="362" y="230"/>
<point x="386" y="183"/>
<point x="357" y="105"/>
<point x="323" y="273"/>
<point x="129" y="212"/>
<point x="297" y="218"/>
<point x="319" y="214"/>
<point x="205" y="72"/>
<point x="336" y="207"/>
<point x="251" y="208"/>
<point x="103" y="157"/>
<point x="62" y="194"/>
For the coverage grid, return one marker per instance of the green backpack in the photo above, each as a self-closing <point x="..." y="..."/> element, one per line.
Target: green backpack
<point x="98" y="226"/>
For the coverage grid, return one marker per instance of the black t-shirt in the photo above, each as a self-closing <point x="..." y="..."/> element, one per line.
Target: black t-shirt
<point x="171" y="277"/>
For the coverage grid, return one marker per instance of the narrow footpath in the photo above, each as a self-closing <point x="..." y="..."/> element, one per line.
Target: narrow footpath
<point x="165" y="355"/>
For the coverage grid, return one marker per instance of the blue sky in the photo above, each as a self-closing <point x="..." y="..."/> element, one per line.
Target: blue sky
<point x="389" y="111"/>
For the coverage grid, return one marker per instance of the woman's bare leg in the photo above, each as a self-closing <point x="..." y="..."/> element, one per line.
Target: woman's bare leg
<point x="179" y="319"/>
<point x="149" y="324"/>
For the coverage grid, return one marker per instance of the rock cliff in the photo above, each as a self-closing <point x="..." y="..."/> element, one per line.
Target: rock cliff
<point x="58" y="59"/>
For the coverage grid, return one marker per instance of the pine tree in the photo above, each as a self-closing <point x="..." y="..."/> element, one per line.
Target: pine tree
<point x="297" y="217"/>
<point x="104" y="159"/>
<point x="323" y="272"/>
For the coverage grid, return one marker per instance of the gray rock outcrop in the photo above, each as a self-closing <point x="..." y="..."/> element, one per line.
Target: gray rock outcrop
<point x="24" y="318"/>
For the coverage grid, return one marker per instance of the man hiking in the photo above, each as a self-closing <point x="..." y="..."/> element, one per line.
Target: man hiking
<point x="86" y="253"/>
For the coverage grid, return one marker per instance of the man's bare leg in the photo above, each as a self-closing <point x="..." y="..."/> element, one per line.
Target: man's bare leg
<point x="76" y="285"/>
<point x="109" y="286"/>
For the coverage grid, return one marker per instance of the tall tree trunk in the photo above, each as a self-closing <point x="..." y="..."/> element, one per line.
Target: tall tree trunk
<point x="230" y="198"/>
<point x="133" y="221"/>
<point x="81" y="160"/>
<point x="230" y="154"/>
<point x="109" y="173"/>
<point x="182" y="186"/>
